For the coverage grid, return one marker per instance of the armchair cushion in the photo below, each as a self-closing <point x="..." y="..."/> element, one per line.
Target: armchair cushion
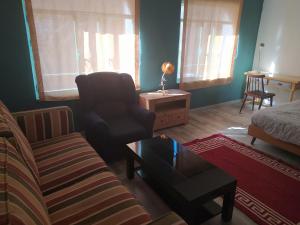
<point x="109" y="110"/>
<point x="126" y="129"/>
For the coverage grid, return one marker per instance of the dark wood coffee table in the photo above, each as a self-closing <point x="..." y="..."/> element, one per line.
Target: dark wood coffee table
<point x="183" y="179"/>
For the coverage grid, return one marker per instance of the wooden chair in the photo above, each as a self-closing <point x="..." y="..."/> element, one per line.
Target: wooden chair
<point x="255" y="89"/>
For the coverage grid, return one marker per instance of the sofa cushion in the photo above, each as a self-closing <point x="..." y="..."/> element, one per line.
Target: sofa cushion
<point x="99" y="199"/>
<point x="65" y="160"/>
<point x="11" y="130"/>
<point x="21" y="200"/>
<point x="41" y="124"/>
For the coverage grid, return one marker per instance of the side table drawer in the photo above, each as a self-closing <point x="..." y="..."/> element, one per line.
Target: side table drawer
<point x="178" y="117"/>
<point x="161" y="121"/>
<point x="171" y="109"/>
<point x="169" y="119"/>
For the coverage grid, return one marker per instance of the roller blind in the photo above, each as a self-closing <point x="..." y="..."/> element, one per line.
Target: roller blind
<point x="72" y="37"/>
<point x="209" y="39"/>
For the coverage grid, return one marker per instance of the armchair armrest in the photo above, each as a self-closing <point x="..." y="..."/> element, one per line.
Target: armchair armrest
<point x="42" y="124"/>
<point x="97" y="130"/>
<point x="144" y="116"/>
<point x="169" y="219"/>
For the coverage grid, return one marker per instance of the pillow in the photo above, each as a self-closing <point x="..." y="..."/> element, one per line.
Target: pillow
<point x="9" y="128"/>
<point x="21" y="200"/>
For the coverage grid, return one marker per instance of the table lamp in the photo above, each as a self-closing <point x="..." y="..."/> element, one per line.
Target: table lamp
<point x="261" y="46"/>
<point x="167" y="69"/>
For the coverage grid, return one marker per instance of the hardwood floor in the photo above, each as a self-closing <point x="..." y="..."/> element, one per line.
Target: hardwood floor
<point x="222" y="118"/>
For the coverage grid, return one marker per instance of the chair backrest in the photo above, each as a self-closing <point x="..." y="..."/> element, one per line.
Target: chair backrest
<point x="255" y="83"/>
<point x="107" y="93"/>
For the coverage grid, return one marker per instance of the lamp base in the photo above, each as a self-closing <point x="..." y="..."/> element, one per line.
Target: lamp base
<point x="164" y="92"/>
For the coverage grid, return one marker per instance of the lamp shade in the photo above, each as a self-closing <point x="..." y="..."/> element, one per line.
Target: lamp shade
<point x="167" y="68"/>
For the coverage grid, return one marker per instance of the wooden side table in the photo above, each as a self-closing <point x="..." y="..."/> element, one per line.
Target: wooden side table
<point x="171" y="109"/>
<point x="293" y="81"/>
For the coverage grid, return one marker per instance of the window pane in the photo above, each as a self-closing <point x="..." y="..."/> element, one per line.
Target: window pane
<point x="80" y="37"/>
<point x="210" y="39"/>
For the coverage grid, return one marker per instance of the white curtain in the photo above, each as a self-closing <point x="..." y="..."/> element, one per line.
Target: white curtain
<point x="210" y="39"/>
<point x="80" y="37"/>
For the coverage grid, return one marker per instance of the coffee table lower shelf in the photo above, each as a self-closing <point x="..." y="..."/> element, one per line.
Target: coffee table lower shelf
<point x="192" y="215"/>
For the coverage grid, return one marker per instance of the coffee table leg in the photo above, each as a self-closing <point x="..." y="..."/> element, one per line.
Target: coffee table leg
<point x="228" y="204"/>
<point x="130" y="166"/>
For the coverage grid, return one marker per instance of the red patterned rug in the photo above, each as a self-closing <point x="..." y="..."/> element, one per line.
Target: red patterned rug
<point x="268" y="190"/>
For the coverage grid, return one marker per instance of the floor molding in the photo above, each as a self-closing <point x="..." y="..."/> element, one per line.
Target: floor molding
<point x="214" y="105"/>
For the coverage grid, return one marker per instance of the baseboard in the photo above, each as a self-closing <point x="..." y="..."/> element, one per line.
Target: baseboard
<point x="218" y="104"/>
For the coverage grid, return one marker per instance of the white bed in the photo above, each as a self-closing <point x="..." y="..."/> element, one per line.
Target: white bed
<point x="281" y="122"/>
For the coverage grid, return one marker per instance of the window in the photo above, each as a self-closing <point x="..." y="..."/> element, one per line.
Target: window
<point x="72" y="37"/>
<point x="208" y="42"/>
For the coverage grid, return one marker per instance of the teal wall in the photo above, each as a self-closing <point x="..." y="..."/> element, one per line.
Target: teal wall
<point x="159" y="35"/>
<point x="159" y="29"/>
<point x="249" y="25"/>
<point x="16" y="80"/>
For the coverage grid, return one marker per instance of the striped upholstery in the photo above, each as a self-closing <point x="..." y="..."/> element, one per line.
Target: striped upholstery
<point x="41" y="124"/>
<point x="4" y="129"/>
<point x="11" y="130"/>
<point x="99" y="199"/>
<point x="65" y="160"/>
<point x="21" y="201"/>
<point x="4" y="111"/>
<point x="62" y="169"/>
<point x="78" y="187"/>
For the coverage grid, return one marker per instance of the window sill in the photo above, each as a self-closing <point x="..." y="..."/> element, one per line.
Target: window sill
<point x="57" y="98"/>
<point x="68" y="98"/>
<point x="205" y="83"/>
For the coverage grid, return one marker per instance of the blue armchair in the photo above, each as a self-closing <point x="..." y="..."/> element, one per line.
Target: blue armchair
<point x="110" y="112"/>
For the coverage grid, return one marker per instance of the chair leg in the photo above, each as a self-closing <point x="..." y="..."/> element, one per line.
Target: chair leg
<point x="253" y="101"/>
<point x="271" y="101"/>
<point x="253" y="140"/>
<point x="260" y="104"/>
<point x="243" y="104"/>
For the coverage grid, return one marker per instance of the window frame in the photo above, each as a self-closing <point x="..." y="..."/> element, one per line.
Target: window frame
<point x="206" y="83"/>
<point x="32" y="39"/>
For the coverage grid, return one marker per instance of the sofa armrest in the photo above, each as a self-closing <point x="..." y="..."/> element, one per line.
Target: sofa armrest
<point x="42" y="124"/>
<point x="169" y="219"/>
<point x="144" y="116"/>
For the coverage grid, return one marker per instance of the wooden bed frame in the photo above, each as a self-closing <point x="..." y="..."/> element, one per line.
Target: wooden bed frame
<point x="259" y="133"/>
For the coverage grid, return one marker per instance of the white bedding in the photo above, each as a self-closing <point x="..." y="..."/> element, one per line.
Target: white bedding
<point x="281" y="122"/>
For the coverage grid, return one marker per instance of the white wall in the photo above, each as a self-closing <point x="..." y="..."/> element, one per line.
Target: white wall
<point x="280" y="32"/>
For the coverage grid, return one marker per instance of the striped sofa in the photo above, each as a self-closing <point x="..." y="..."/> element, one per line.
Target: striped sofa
<point x="49" y="174"/>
